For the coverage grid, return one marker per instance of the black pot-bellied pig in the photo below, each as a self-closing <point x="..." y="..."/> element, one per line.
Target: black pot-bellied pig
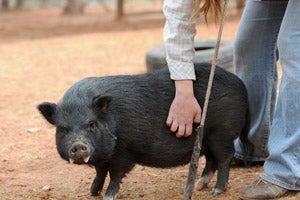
<point x="115" y="122"/>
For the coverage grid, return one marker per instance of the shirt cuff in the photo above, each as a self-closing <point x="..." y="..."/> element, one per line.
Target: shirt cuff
<point x="181" y="70"/>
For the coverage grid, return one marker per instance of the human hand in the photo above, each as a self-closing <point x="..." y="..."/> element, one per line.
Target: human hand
<point x="184" y="110"/>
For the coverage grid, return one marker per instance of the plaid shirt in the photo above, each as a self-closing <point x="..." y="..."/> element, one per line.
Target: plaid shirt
<point x="179" y="33"/>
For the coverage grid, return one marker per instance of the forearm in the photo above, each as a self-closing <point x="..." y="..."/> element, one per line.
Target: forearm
<point x="179" y="33"/>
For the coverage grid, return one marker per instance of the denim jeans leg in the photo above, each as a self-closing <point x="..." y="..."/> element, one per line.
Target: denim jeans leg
<point x="255" y="60"/>
<point x="282" y="167"/>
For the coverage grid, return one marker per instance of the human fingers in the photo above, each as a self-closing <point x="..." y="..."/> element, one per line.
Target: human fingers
<point x="174" y="126"/>
<point x="180" y="130"/>
<point x="188" y="130"/>
<point x="197" y="117"/>
<point x="169" y="121"/>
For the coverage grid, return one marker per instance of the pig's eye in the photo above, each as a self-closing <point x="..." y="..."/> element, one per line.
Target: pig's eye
<point x="92" y="126"/>
<point x="62" y="129"/>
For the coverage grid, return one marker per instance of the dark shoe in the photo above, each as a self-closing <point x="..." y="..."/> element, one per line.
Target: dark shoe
<point x="261" y="189"/>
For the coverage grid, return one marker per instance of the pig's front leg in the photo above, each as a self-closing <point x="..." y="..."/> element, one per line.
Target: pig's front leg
<point x="122" y="164"/>
<point x="101" y="173"/>
<point x="116" y="175"/>
<point x="112" y="190"/>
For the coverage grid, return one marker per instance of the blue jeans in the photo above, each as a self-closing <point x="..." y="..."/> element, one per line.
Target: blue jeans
<point x="270" y="30"/>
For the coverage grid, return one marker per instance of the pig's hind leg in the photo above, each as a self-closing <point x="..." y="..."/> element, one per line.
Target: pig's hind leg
<point x="222" y="178"/>
<point x="101" y="173"/>
<point x="223" y="150"/>
<point x="208" y="172"/>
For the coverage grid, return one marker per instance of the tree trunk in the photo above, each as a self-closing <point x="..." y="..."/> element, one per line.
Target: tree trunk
<point x="75" y="7"/>
<point x="19" y="4"/>
<point x="4" y="4"/>
<point x="44" y="3"/>
<point x="120" y="9"/>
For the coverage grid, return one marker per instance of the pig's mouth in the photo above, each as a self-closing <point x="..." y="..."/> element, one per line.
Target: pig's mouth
<point x="79" y="153"/>
<point x="79" y="160"/>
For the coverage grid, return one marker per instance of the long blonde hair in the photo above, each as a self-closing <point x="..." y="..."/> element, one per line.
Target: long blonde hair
<point x="207" y="7"/>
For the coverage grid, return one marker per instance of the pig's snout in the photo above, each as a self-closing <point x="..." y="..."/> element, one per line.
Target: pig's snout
<point x="79" y="153"/>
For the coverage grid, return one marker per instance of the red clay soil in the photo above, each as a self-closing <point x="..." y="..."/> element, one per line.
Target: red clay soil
<point x="41" y="55"/>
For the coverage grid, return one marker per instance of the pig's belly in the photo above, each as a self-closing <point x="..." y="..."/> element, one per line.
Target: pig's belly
<point x="166" y="157"/>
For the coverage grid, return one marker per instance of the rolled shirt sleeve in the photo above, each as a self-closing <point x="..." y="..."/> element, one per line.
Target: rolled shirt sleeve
<point x="179" y="33"/>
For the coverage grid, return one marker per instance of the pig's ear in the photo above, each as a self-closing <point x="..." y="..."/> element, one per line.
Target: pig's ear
<point x="47" y="110"/>
<point x="101" y="103"/>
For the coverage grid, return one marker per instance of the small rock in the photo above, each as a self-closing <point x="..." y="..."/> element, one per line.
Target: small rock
<point x="33" y="130"/>
<point x="46" y="188"/>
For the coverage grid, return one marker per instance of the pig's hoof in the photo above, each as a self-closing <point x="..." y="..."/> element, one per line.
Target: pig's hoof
<point x="216" y="192"/>
<point x="203" y="181"/>
<point x="94" y="191"/>
<point x="200" y="186"/>
<point x="108" y="197"/>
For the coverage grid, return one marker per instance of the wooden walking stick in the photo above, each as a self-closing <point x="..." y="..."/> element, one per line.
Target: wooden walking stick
<point x="199" y="131"/>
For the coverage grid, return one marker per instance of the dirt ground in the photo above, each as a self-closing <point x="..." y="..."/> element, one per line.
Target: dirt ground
<point x="41" y="55"/>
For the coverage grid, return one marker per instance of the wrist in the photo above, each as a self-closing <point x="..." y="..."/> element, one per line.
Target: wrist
<point x="184" y="87"/>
